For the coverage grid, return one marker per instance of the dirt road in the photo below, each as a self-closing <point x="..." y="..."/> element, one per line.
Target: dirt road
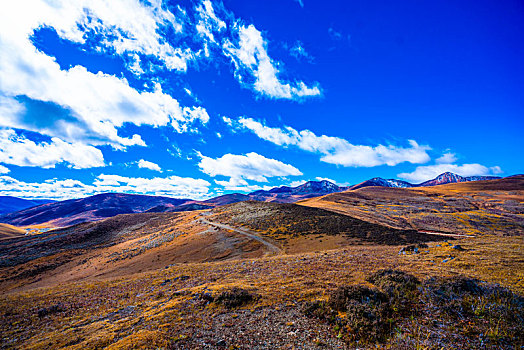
<point x="270" y="246"/>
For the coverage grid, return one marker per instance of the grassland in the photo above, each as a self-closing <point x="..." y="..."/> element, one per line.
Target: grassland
<point x="181" y="281"/>
<point x="165" y="308"/>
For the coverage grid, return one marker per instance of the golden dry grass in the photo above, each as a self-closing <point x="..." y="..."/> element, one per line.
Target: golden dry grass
<point x="151" y="310"/>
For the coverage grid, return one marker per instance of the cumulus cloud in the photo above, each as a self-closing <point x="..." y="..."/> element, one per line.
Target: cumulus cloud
<point x="336" y="150"/>
<point x="92" y="108"/>
<point x="3" y="169"/>
<point x="18" y="150"/>
<point x="149" y="165"/>
<point x="250" y="57"/>
<point x="251" y="166"/>
<point x="445" y="163"/>
<point x="240" y="185"/>
<point x="424" y="173"/>
<point x="96" y="105"/>
<point x="446" y="158"/>
<point x="172" y="186"/>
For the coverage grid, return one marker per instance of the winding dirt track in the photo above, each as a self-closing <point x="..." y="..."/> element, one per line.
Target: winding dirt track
<point x="270" y="246"/>
<point x="445" y="234"/>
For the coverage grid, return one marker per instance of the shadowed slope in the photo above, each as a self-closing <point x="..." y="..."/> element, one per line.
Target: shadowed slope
<point x="288" y="223"/>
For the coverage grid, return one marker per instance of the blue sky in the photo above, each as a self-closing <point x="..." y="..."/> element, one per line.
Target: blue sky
<point x="200" y="98"/>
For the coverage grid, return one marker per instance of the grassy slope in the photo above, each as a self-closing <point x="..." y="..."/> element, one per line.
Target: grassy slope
<point x="483" y="207"/>
<point x="161" y="308"/>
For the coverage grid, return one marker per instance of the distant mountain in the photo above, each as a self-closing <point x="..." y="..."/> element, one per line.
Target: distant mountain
<point x="106" y="205"/>
<point x="226" y="199"/>
<point x="378" y="181"/>
<point x="10" y="204"/>
<point x="444" y="178"/>
<point x="447" y="178"/>
<point x="287" y="194"/>
<point x="91" y="208"/>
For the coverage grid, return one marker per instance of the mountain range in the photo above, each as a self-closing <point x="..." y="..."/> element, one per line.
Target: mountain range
<point x="101" y="206"/>
<point x="444" y="178"/>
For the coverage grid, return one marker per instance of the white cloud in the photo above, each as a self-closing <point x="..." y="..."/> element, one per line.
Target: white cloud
<point x="251" y="166"/>
<point x="240" y="185"/>
<point x="18" y="150"/>
<point x="173" y="186"/>
<point x="297" y="183"/>
<point x="318" y="178"/>
<point x="446" y="158"/>
<point x="336" y="150"/>
<point x="250" y="57"/>
<point x="149" y="165"/>
<point x="424" y="173"/>
<point x="208" y="20"/>
<point x="3" y="169"/>
<point x="98" y="104"/>
<point x="228" y="121"/>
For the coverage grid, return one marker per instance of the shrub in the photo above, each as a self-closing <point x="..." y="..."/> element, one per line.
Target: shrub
<point x="235" y="297"/>
<point x="399" y="286"/>
<point x="367" y="312"/>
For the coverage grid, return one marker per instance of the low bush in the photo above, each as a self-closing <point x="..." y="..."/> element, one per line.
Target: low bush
<point x="401" y="288"/>
<point x="481" y="313"/>
<point x="235" y="297"/>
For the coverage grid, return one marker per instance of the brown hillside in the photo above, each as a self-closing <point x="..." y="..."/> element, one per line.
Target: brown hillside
<point x="481" y="207"/>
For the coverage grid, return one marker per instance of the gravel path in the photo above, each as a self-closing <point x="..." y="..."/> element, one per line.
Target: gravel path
<point x="270" y="246"/>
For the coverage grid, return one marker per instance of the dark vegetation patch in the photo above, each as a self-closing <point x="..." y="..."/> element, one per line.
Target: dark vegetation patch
<point x="473" y="313"/>
<point x="53" y="309"/>
<point x="291" y="219"/>
<point x="235" y="297"/>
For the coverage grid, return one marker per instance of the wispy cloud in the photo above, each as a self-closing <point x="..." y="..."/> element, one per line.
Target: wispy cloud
<point x="299" y="52"/>
<point x="300" y="2"/>
<point x="336" y="150"/>
<point x="446" y="158"/>
<point x="249" y="54"/>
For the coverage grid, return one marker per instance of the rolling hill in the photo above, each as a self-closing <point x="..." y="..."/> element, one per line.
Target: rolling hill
<point x="479" y="207"/>
<point x="91" y="208"/>
<point x="9" y="204"/>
